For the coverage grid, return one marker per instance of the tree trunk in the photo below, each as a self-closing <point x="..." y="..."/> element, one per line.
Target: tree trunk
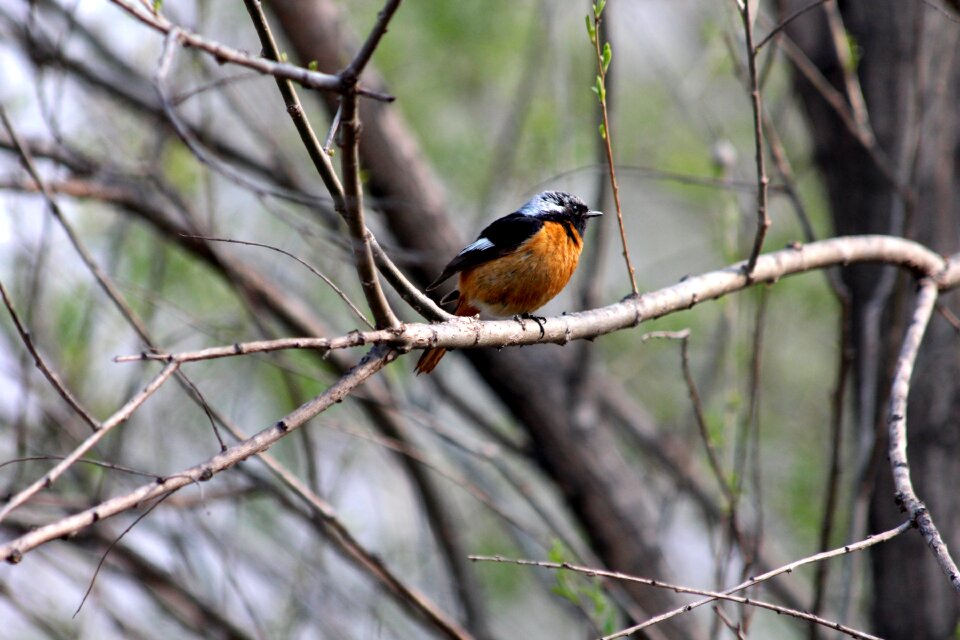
<point x="908" y="65"/>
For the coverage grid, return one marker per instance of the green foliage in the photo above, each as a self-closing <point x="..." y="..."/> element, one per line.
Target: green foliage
<point x="583" y="592"/>
<point x="606" y="56"/>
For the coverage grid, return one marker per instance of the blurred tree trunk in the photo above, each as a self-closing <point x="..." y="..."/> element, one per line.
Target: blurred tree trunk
<point x="907" y="61"/>
<point x="601" y="488"/>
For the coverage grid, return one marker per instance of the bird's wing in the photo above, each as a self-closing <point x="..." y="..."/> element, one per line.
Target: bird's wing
<point x="502" y="236"/>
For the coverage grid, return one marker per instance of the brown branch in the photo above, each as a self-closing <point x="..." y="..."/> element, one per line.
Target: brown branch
<point x="378" y="357"/>
<point x="321" y="161"/>
<point x="359" y="62"/>
<point x="353" y="214"/>
<point x="45" y="369"/>
<point x="224" y="54"/>
<point x="905" y="496"/>
<point x="320" y="158"/>
<point x="763" y="218"/>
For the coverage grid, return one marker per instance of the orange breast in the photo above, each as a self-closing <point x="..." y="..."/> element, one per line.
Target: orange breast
<point x="528" y="278"/>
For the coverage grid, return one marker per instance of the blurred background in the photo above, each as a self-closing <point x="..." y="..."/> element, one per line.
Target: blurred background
<point x="589" y="453"/>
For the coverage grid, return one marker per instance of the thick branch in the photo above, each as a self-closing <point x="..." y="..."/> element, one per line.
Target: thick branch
<point x="464" y="333"/>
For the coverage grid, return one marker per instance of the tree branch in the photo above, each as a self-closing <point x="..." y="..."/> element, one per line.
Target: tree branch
<point x="375" y="360"/>
<point x="462" y="333"/>
<point x="223" y="54"/>
<point x="905" y="496"/>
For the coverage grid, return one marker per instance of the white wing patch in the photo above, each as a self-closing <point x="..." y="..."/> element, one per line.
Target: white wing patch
<point x="477" y="245"/>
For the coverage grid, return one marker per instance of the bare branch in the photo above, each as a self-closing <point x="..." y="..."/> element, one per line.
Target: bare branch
<point x="724" y="595"/>
<point x="906" y="497"/>
<point x="225" y="54"/>
<point x="374" y="361"/>
<point x="763" y="218"/>
<point x="353" y="214"/>
<point x="463" y="333"/>
<point x="357" y="65"/>
<point x="45" y="369"/>
<point x="787" y="568"/>
<point x="118" y="418"/>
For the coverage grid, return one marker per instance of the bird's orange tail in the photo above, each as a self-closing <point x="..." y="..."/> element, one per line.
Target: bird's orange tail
<point x="431" y="357"/>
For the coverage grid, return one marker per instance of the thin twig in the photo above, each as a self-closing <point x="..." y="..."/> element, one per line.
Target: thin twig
<point x="354" y="215"/>
<point x="786" y="21"/>
<point x="118" y="418"/>
<point x="343" y="296"/>
<point x="711" y="596"/>
<point x="105" y="283"/>
<point x="359" y="62"/>
<point x="699" y="417"/>
<point x="831" y="493"/>
<point x="787" y="568"/>
<point x="45" y="369"/>
<point x="608" y="146"/>
<point x="378" y="358"/>
<point x="763" y="218"/>
<point x="224" y="54"/>
<point x="905" y="496"/>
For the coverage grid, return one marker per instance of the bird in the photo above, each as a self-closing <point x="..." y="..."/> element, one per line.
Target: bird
<point x="517" y="264"/>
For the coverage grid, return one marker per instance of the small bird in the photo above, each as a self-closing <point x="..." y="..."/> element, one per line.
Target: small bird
<point x="519" y="262"/>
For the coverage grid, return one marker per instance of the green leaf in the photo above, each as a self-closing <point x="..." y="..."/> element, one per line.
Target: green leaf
<point x="598" y="8"/>
<point x="603" y="131"/>
<point x="283" y="56"/>
<point x="607" y="55"/>
<point x="591" y="30"/>
<point x="157" y="5"/>
<point x="600" y="90"/>
<point x="312" y="65"/>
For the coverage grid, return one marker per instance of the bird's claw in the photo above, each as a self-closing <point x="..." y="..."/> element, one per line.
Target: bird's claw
<point x="520" y="317"/>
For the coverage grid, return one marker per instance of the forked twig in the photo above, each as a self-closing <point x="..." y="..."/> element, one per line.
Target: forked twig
<point x="712" y="596"/>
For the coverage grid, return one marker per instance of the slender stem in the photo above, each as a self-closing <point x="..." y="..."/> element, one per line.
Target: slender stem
<point x="353" y="213"/>
<point x="763" y="219"/>
<point x="608" y="145"/>
<point x="321" y="161"/>
<point x="359" y="62"/>
<point x="47" y="372"/>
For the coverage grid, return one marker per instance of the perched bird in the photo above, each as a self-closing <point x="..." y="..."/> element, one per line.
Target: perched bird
<point x="519" y="262"/>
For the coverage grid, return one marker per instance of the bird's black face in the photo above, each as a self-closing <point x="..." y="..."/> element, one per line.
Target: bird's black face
<point x="560" y="206"/>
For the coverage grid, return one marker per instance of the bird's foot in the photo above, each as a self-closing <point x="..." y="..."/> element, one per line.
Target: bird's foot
<point x="520" y="317"/>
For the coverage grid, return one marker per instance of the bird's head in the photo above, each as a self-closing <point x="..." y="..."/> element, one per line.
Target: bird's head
<point x="559" y="206"/>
